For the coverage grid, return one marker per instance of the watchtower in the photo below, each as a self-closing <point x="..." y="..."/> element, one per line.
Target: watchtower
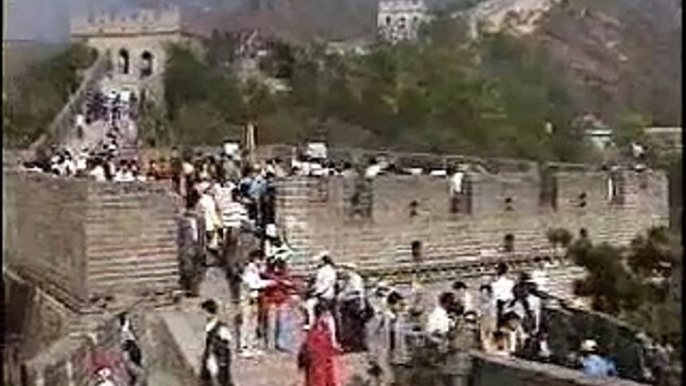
<point x="135" y="41"/>
<point x="399" y="20"/>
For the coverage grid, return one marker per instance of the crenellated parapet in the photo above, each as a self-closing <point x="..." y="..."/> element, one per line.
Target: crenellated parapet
<point x="374" y="223"/>
<point x="143" y="21"/>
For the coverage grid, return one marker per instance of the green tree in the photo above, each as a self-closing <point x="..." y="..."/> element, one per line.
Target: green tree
<point x="41" y="92"/>
<point x="639" y="284"/>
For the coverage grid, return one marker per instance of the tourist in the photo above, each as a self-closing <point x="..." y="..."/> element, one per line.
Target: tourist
<point x="324" y="287"/>
<point x="487" y="317"/>
<point x="275" y="301"/>
<point x="439" y="322"/>
<point x="514" y="332"/>
<point x="528" y="308"/>
<point x="463" y="297"/>
<point x="126" y="332"/>
<point x="207" y="206"/>
<point x="389" y="354"/>
<point x="98" y="172"/>
<point x="133" y="364"/>
<point x="501" y="346"/>
<point x="153" y="171"/>
<point x="593" y="364"/>
<point x="253" y="284"/>
<point x="354" y="312"/>
<point x="317" y="357"/>
<point x="539" y="275"/>
<point x="104" y="377"/>
<point x="373" y="169"/>
<point x="191" y="241"/>
<point x="216" y="358"/>
<point x="502" y="290"/>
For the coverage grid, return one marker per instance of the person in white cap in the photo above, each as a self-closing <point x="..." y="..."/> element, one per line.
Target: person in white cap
<point x="594" y="365"/>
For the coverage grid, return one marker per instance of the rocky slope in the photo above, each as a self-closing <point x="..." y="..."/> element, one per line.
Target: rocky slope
<point x="623" y="54"/>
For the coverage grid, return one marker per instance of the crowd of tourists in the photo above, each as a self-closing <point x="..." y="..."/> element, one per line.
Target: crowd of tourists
<point x="336" y="312"/>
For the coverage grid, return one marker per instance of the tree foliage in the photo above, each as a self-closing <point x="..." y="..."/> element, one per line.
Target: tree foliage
<point x="40" y="94"/>
<point x="447" y="93"/>
<point x="640" y="283"/>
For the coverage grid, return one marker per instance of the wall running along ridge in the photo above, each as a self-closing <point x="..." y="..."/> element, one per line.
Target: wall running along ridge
<point x="315" y="215"/>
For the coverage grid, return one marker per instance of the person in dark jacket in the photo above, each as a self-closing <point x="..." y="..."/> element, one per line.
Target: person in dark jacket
<point x="216" y="358"/>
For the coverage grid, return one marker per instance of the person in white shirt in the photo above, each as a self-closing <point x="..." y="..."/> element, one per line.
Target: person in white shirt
<point x="439" y="323"/>
<point x="324" y="287"/>
<point x="207" y="205"/>
<point x="252" y="284"/>
<point x="373" y="169"/>
<point x="502" y="290"/>
<point x="98" y="173"/>
<point x="539" y="275"/>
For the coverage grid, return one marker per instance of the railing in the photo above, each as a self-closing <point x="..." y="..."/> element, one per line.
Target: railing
<point x="62" y="124"/>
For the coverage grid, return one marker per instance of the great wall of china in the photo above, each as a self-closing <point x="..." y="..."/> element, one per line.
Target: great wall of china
<point x="76" y="252"/>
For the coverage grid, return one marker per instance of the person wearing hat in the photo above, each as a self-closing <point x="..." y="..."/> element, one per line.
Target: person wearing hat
<point x="216" y="358"/>
<point x="593" y="364"/>
<point x="353" y="315"/>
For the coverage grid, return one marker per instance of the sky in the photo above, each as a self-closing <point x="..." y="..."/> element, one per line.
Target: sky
<point x="48" y="20"/>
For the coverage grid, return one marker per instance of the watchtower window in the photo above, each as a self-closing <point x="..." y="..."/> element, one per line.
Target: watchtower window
<point x="146" y="64"/>
<point x="388" y="20"/>
<point x="124" y="60"/>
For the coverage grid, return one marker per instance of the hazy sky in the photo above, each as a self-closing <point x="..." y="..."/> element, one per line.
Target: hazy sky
<point x="48" y="20"/>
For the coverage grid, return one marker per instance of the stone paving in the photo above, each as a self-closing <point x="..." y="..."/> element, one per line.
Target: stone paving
<point x="272" y="369"/>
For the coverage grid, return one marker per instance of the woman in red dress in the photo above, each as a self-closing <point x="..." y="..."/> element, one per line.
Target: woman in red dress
<point x="317" y="357"/>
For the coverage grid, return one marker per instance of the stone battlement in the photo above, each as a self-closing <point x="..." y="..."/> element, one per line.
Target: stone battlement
<point x="323" y="214"/>
<point x="402" y="6"/>
<point x="82" y="241"/>
<point x="141" y="22"/>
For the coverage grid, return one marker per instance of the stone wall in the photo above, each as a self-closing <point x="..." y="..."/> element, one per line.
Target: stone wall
<point x="47" y="240"/>
<point x="79" y="240"/>
<point x="73" y="360"/>
<point x="492" y="370"/>
<point x="37" y="321"/>
<point x="316" y="215"/>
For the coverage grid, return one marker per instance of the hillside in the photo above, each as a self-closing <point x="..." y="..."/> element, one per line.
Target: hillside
<point x="624" y="54"/>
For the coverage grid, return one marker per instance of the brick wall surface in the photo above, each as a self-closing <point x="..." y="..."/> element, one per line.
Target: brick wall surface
<point x="131" y="233"/>
<point x="73" y="360"/>
<point x="314" y="214"/>
<point x="77" y="239"/>
<point x="46" y="243"/>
